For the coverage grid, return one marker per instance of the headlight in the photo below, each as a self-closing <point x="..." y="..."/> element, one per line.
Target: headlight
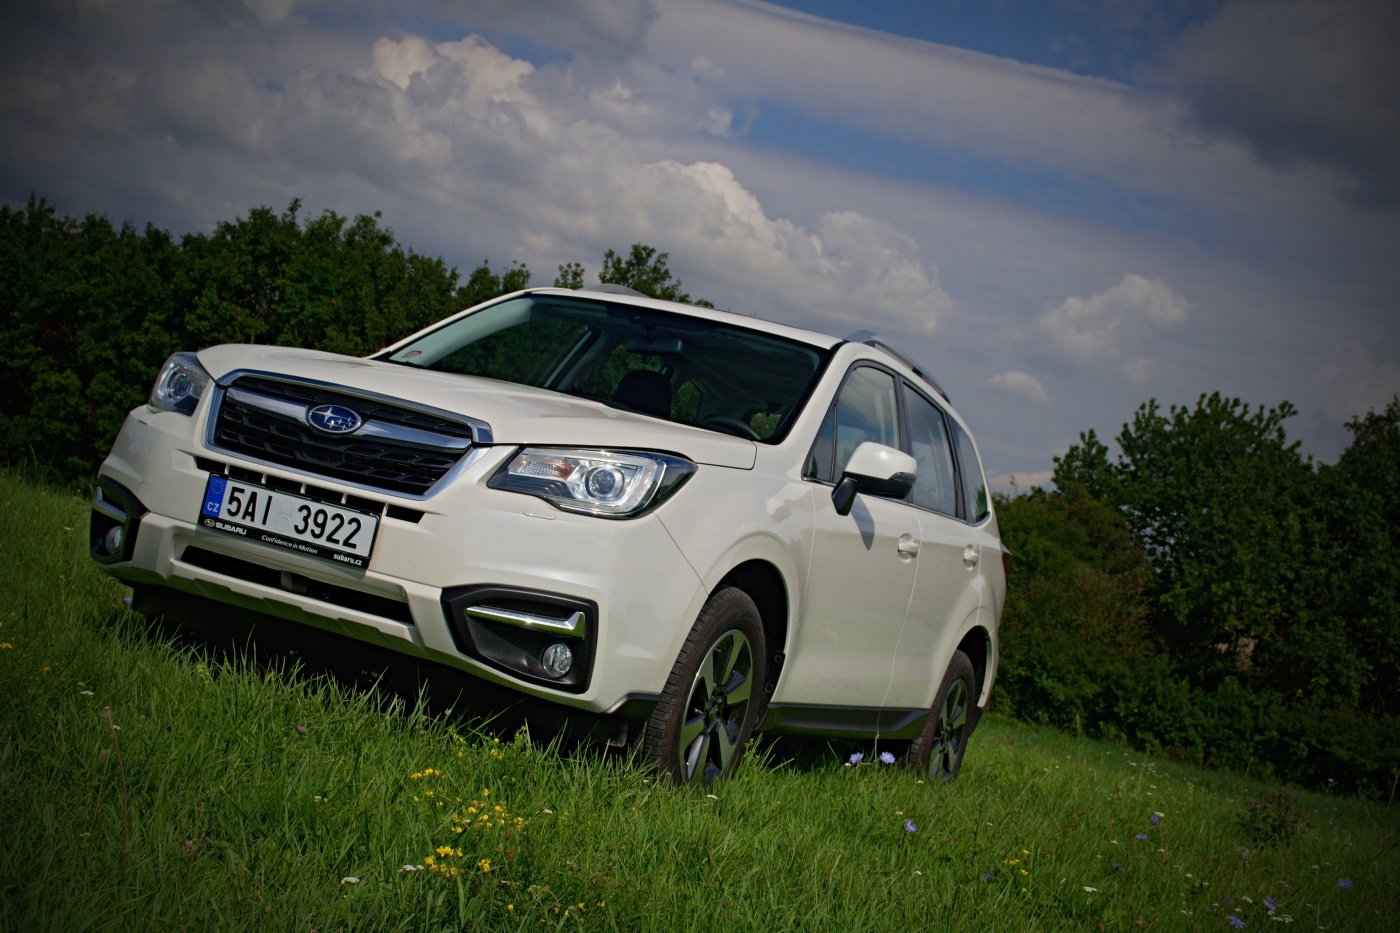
<point x="180" y="385"/>
<point x="598" y="482"/>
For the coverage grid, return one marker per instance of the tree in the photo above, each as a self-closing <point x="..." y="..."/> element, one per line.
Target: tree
<point x="570" y="276"/>
<point x="90" y="311"/>
<point x="84" y="304"/>
<point x="1218" y="499"/>
<point x="1360" y="499"/>
<point x="1085" y="467"/>
<point x="1074" y="629"/>
<point x="484" y="284"/>
<point x="645" y="270"/>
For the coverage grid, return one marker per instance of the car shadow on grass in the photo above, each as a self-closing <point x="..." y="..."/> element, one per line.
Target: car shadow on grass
<point x="397" y="682"/>
<point x="223" y="635"/>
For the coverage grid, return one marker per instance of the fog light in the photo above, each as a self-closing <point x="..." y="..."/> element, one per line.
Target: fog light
<point x="114" y="539"/>
<point x="558" y="658"/>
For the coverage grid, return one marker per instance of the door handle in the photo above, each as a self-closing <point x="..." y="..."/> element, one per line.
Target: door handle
<point x="908" y="547"/>
<point x="971" y="556"/>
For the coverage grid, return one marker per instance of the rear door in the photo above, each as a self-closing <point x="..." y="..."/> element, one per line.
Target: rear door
<point x="947" y="586"/>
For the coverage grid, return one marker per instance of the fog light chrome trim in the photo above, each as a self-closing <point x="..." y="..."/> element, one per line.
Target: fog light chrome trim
<point x="574" y="625"/>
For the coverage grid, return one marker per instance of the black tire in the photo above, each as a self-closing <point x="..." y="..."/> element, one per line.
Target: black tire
<point x="940" y="747"/>
<point x="710" y="705"/>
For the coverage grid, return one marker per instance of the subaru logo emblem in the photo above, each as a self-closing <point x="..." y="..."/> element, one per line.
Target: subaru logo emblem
<point x="333" y="419"/>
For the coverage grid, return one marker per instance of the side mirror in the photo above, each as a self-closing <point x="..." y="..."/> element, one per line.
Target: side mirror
<point x="876" y="469"/>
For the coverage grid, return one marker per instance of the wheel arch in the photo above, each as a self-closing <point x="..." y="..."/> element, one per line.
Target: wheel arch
<point x="764" y="584"/>
<point x="977" y="643"/>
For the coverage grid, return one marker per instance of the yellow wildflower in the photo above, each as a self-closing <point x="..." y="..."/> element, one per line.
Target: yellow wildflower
<point x="484" y="865"/>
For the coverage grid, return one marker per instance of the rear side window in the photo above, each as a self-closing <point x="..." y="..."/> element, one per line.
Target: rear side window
<point x="974" y="486"/>
<point x="935" y="486"/>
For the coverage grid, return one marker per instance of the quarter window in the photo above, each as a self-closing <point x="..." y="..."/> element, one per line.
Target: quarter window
<point x="974" y="485"/>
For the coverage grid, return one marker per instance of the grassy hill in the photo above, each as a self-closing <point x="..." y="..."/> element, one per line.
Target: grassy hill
<point x="146" y="786"/>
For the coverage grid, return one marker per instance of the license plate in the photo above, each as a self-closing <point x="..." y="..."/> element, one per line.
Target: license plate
<point x="316" y="529"/>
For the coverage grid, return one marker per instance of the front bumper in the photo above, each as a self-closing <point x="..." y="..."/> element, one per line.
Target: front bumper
<point x="625" y="584"/>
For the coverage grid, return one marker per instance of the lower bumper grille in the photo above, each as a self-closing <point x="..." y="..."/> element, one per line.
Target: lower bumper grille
<point x="302" y="586"/>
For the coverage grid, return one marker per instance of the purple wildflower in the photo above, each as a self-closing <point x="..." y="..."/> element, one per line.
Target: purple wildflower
<point x="856" y="758"/>
<point x="1235" y="922"/>
<point x="1142" y="836"/>
<point x="886" y="758"/>
<point x="987" y="876"/>
<point x="1344" y="884"/>
<point x="1270" y="903"/>
<point x="1156" y="820"/>
<point x="909" y="826"/>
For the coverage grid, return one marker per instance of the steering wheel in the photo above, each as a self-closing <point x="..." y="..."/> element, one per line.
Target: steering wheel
<point x="732" y="426"/>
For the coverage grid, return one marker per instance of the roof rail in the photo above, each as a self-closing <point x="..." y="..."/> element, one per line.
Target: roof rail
<point x="871" y="339"/>
<point x="612" y="289"/>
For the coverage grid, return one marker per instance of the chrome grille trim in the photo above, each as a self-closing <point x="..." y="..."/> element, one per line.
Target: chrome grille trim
<point x="376" y="429"/>
<point x="403" y="449"/>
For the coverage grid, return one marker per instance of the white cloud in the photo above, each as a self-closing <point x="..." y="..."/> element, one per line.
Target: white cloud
<point x="399" y="60"/>
<point x="469" y="128"/>
<point x="1110" y="326"/>
<point x="270" y="11"/>
<point x="849" y="268"/>
<point x="1019" y="383"/>
<point x="1052" y="123"/>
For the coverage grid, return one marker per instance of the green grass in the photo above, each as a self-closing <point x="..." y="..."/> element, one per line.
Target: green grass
<point x="148" y="787"/>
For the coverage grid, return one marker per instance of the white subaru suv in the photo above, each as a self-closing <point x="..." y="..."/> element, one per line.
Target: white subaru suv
<point x="678" y="524"/>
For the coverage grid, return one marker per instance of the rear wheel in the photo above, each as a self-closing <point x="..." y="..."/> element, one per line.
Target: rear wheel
<point x="940" y="747"/>
<point x="709" y="707"/>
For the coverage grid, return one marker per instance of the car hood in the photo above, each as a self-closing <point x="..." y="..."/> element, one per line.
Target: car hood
<point x="518" y="415"/>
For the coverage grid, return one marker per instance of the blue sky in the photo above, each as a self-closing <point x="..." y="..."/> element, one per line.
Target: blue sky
<point x="1062" y="208"/>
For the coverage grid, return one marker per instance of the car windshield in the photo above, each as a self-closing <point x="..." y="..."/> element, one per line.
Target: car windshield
<point x="685" y="369"/>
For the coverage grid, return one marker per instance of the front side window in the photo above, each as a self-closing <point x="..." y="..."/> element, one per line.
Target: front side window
<point x="866" y="409"/>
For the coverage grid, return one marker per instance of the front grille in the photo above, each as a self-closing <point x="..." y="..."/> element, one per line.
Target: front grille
<point x="398" y="449"/>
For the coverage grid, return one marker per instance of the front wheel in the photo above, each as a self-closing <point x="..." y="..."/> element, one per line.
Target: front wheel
<point x="940" y="747"/>
<point x="709" y="707"/>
